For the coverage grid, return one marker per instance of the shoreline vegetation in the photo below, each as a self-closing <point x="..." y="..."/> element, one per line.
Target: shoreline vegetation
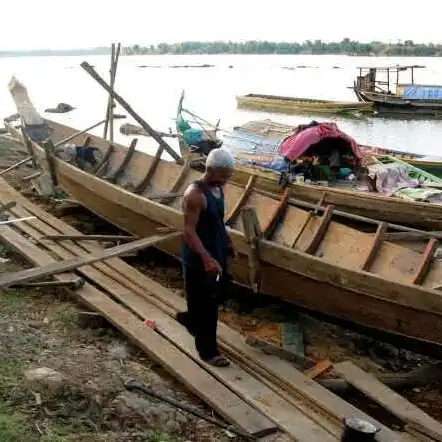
<point x="310" y="47"/>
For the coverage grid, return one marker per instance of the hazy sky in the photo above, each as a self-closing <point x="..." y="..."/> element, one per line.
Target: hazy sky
<point x="87" y="23"/>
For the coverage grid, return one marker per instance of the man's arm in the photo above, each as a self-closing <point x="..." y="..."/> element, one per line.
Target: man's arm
<point x="193" y="204"/>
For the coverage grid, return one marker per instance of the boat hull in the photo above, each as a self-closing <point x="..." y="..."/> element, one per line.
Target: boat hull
<point x="300" y="105"/>
<point x="300" y="278"/>
<point x="385" y="104"/>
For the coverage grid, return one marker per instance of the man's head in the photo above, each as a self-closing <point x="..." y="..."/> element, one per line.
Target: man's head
<point x="219" y="166"/>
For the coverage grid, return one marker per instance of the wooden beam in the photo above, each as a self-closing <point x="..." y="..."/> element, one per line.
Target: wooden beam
<point x="165" y="196"/>
<point x="377" y="242"/>
<point x="141" y="186"/>
<point x="390" y="400"/>
<point x="177" y="184"/>
<point x="424" y="266"/>
<point x="91" y="71"/>
<point x="88" y="238"/>
<point x="252" y="233"/>
<point x="409" y="236"/>
<point x="278" y="215"/>
<point x="76" y="134"/>
<point x="103" y="164"/>
<point x="59" y="267"/>
<point x="50" y="159"/>
<point x="73" y="284"/>
<point x="16" y="165"/>
<point x="113" y="177"/>
<point x="32" y="177"/>
<point x="242" y="200"/>
<point x="319" y="234"/>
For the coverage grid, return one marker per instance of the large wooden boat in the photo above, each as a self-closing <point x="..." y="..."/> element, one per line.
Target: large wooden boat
<point x="294" y="105"/>
<point x="307" y="259"/>
<point x="381" y="87"/>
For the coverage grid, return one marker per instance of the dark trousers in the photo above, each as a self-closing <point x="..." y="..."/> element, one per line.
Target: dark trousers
<point x="201" y="319"/>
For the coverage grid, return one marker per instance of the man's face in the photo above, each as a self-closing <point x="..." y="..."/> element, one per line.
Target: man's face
<point x="219" y="176"/>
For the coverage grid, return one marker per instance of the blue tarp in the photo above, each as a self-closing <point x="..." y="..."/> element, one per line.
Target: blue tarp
<point x="423" y="93"/>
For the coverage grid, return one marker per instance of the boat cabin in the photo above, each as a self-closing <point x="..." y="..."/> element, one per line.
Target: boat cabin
<point x="396" y="80"/>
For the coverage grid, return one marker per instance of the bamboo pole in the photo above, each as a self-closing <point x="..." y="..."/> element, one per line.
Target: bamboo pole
<point x="163" y="145"/>
<point x="76" y="134"/>
<point x="15" y="166"/>
<point x="115" y="55"/>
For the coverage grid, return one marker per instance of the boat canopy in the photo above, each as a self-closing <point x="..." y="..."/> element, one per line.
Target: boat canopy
<point x="418" y="92"/>
<point x="322" y="138"/>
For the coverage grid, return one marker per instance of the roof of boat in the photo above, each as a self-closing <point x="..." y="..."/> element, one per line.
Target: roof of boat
<point x="393" y="67"/>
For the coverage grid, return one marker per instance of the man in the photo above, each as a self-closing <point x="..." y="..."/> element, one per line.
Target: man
<point x="205" y="252"/>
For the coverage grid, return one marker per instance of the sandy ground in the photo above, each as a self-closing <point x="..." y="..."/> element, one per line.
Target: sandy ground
<point x="87" y="400"/>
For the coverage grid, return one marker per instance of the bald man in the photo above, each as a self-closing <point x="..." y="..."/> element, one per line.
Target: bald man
<point x="205" y="252"/>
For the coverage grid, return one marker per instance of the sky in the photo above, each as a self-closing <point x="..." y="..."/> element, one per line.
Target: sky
<point x="55" y="24"/>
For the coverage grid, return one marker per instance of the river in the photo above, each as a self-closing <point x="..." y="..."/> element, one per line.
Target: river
<point x="153" y="86"/>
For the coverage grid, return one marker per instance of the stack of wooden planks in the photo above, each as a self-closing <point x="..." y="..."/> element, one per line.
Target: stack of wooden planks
<point x="258" y="394"/>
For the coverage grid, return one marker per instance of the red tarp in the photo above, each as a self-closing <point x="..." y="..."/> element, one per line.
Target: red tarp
<point x="294" y="146"/>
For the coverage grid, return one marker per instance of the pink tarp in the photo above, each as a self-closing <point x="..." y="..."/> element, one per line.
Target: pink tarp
<point x="294" y="146"/>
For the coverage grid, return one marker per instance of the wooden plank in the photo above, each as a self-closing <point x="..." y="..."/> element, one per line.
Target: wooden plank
<point x="319" y="368"/>
<point x="32" y="176"/>
<point x="113" y="177"/>
<point x="219" y="397"/>
<point x="88" y="238"/>
<point x="6" y="207"/>
<point x="285" y="415"/>
<point x="277" y="216"/>
<point x="424" y="267"/>
<point x="377" y="242"/>
<point x="287" y="377"/>
<point x="242" y="200"/>
<point x="164" y="146"/>
<point x="104" y="163"/>
<point x="319" y="234"/>
<point x="390" y="400"/>
<point x="15" y="166"/>
<point x="22" y="276"/>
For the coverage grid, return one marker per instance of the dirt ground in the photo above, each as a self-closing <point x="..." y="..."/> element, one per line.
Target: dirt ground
<point x="77" y="393"/>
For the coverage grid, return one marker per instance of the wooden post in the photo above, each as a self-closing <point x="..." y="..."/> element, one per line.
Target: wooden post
<point x="49" y="151"/>
<point x="252" y="233"/>
<point x="109" y="124"/>
<point x="28" y="143"/>
<point x="163" y="145"/>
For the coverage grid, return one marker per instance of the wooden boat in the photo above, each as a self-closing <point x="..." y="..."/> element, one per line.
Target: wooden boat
<point x="433" y="166"/>
<point x="307" y="259"/>
<point x="381" y="87"/>
<point x="294" y="105"/>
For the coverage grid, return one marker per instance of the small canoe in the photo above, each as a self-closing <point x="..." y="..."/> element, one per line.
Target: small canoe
<point x="305" y="257"/>
<point x="293" y="105"/>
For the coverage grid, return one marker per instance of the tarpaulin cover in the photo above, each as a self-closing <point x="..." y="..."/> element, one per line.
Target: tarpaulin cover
<point x="294" y="146"/>
<point x="423" y="92"/>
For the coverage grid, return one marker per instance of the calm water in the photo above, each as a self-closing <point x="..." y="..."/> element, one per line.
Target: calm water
<point x="210" y="92"/>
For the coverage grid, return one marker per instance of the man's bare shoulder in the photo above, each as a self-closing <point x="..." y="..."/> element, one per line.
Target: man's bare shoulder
<point x="194" y="198"/>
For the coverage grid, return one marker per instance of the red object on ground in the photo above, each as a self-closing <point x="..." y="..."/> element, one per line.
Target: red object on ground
<point x="150" y="323"/>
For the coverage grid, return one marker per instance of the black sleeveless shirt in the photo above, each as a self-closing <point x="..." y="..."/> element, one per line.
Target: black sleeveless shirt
<point x="210" y="229"/>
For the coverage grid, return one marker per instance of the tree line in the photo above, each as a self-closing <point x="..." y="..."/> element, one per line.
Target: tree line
<point x="316" y="47"/>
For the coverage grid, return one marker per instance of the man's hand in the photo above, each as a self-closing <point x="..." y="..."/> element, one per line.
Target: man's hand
<point x="211" y="265"/>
